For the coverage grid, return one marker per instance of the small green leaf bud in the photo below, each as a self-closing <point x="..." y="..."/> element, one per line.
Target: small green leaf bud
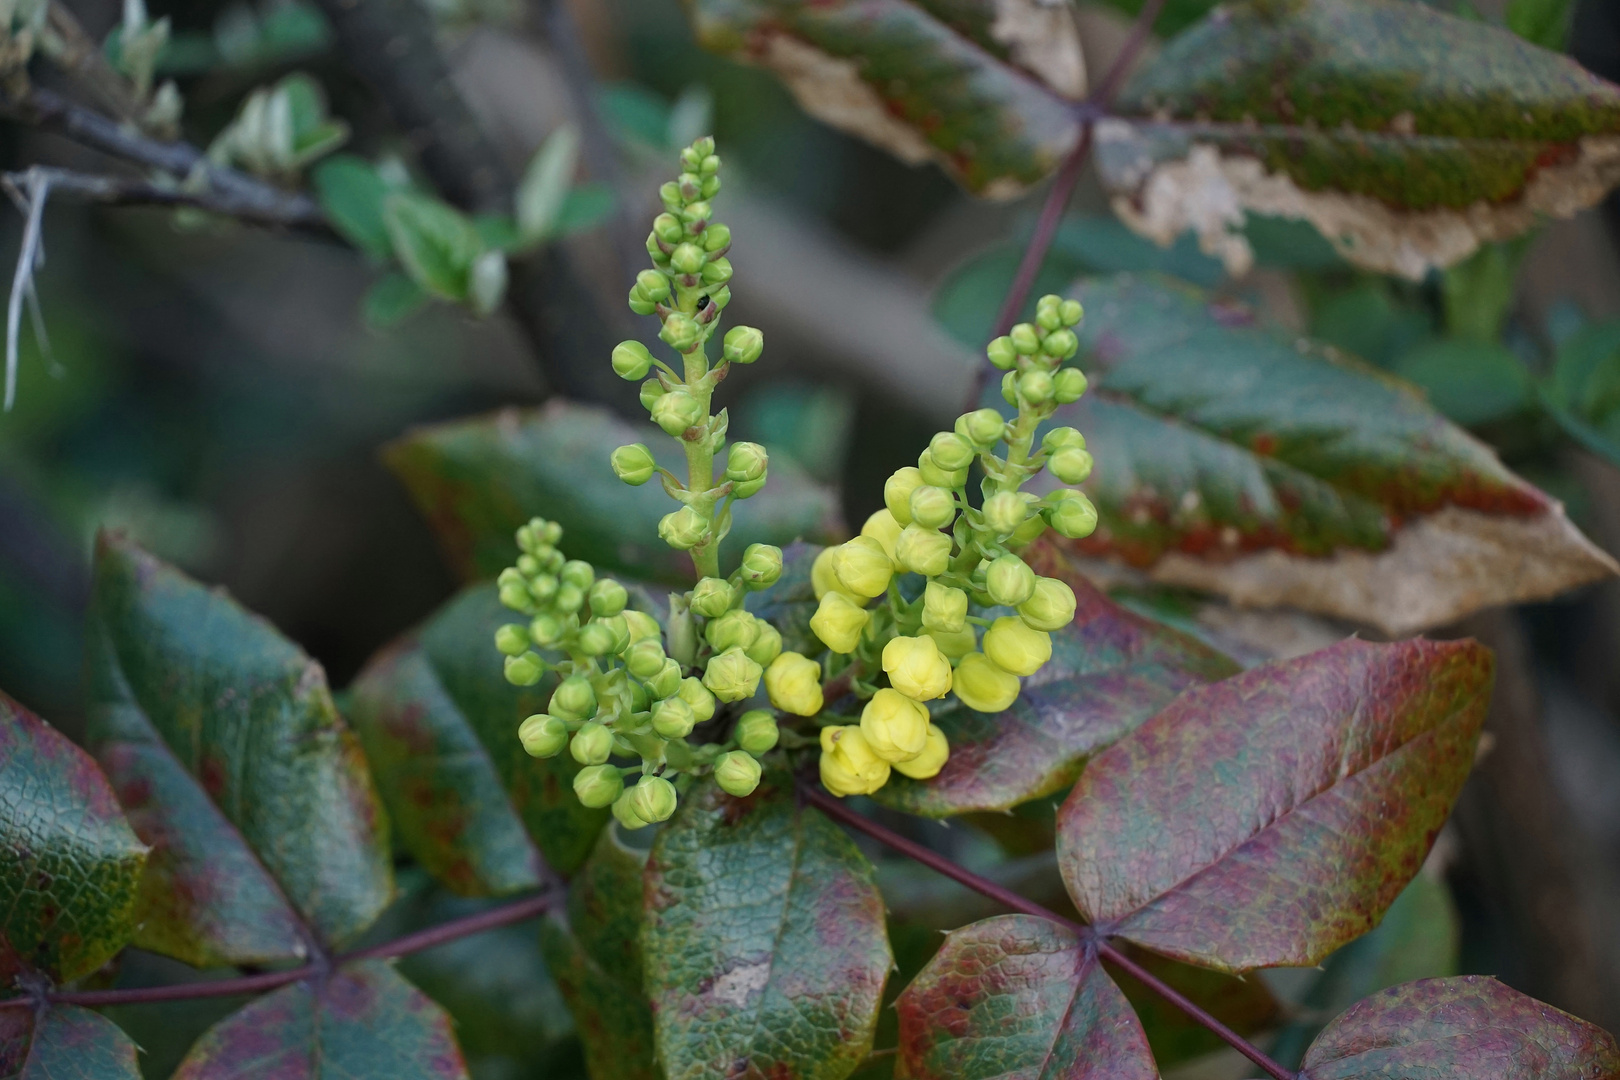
<point x="524" y="670"/>
<point x="923" y="551"/>
<point x="710" y="165"/>
<point x="1071" y="312"/>
<point x="1005" y="511"/>
<point x="598" y="785"/>
<point x="673" y="718"/>
<point x="546" y="629"/>
<point x="1071" y="466"/>
<point x="717" y="237"/>
<point x="746" y="461"/>
<point x="695" y="694"/>
<point x="681" y="332"/>
<point x="654" y="286"/>
<point x="712" y="597"/>
<point x="1009" y="581"/>
<point x="529" y="566"/>
<point x="1061" y="344"/>
<point x="1009" y="388"/>
<point x="897" y="491"/>
<point x="633" y="463"/>
<point x="1051" y="607"/>
<point x="625" y="814"/>
<point x="732" y="630"/>
<point x="543" y="736"/>
<point x="761" y="565"/>
<point x="608" y="597"/>
<point x="642" y="626"/>
<point x="574" y="699"/>
<point x="950" y="451"/>
<point x="1060" y="437"/>
<point x="981" y="427"/>
<point x="1073" y="516"/>
<point x="756" y="731"/>
<point x="651" y="391"/>
<point x="703" y="146"/>
<point x="1002" y="353"/>
<point x="639" y="303"/>
<point x="667" y="681"/>
<point x="512" y="639"/>
<point x="767" y="644"/>
<point x="687" y="258"/>
<point x="1025" y="339"/>
<point x="595" y="639"/>
<point x="934" y="474"/>
<point x="689" y="181"/>
<point x="716" y="271"/>
<point x="631" y="360"/>
<point x="932" y="507"/>
<point x="944" y="608"/>
<point x="578" y="572"/>
<point x="737" y="773"/>
<point x="645" y="659"/>
<point x="1068" y="385"/>
<point x="743" y="345"/>
<point x="1035" y="386"/>
<point x="592" y="744"/>
<point x="1016" y="647"/>
<point x="676" y="411"/>
<point x="731" y="676"/>
<point x="653" y="798"/>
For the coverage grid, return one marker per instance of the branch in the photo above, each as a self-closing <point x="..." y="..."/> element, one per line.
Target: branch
<point x="133" y="191"/>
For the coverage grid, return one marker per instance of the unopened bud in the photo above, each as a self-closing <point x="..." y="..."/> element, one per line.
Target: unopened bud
<point x="512" y="639"/>
<point x="756" y="731"/>
<point x="737" y="773"/>
<point x="573" y="699"/>
<point x="524" y="670"/>
<point x="645" y="659"/>
<point x="1016" y="647"/>
<point x="1035" y="386"/>
<point x="592" y="744"/>
<point x="917" y="668"/>
<point x="631" y="360"/>
<point x="897" y="493"/>
<point x="1046" y="313"/>
<point x="944" y="608"/>
<point x="1073" y="516"/>
<point x="651" y="391"/>
<point x="1009" y="388"/>
<point x="683" y="529"/>
<point x="546" y="629"/>
<point x="716" y="272"/>
<point x="1005" y="511"/>
<point x="1062" y="437"/>
<point x="642" y="626"/>
<point x="1002" y="353"/>
<point x="923" y="551"/>
<point x="1068" y="385"/>
<point x="696" y="695"/>
<point x="822" y="578"/>
<point x="732" y="630"/>
<point x="1072" y="312"/>
<point x="598" y="785"/>
<point x="687" y="258"/>
<point x="895" y="727"/>
<point x="863" y="567"/>
<point x="936" y="475"/>
<point x="716" y="237"/>
<point x="1070" y="465"/>
<point x="711" y="597"/>
<point x="932" y="507"/>
<point x="654" y="286"/>
<point x="932" y="759"/>
<point x="1051" y="607"/>
<point x="848" y="765"/>
<point x="625" y="814"/>
<point x="1025" y="339"/>
<point x="639" y="304"/>
<point x="568" y="599"/>
<point x="793" y="683"/>
<point x="981" y="427"/>
<point x="982" y="685"/>
<point x="950" y="451"/>
<point x="746" y="461"/>
<point x="742" y="345"/>
<point x="1061" y="344"/>
<point x="1009" y="581"/>
<point x="767" y="644"/>
<point x="731" y="676"/>
<point x="543" y="736"/>
<point x="838" y="622"/>
<point x="608" y="597"/>
<point x="595" y="639"/>
<point x="681" y="332"/>
<point x="761" y="565"/>
<point x="667" y="681"/>
<point x="653" y="798"/>
<point x="668" y="228"/>
<point x="676" y="411"/>
<point x="885" y="529"/>
<point x="673" y="718"/>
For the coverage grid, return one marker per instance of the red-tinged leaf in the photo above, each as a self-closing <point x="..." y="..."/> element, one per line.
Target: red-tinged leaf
<point x="65" y="1043"/>
<point x="439" y="724"/>
<point x="1110" y="671"/>
<point x="1470" y="1026"/>
<point x="70" y="866"/>
<point x="1271" y="818"/>
<point x="764" y="947"/>
<point x="223" y="743"/>
<point x="363" y="1021"/>
<point x="1018" y="998"/>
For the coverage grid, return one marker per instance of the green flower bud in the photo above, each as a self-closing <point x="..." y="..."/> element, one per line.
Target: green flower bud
<point x="642" y="626"/>
<point x="681" y="332"/>
<point x="944" y="608"/>
<point x="578" y="572"/>
<point x="1016" y="647"/>
<point x="1026" y="339"/>
<point x="608" y="597"/>
<point x="620" y="630"/>
<point x="695" y="694"/>
<point x="1070" y="465"/>
<point x="639" y="699"/>
<point x="654" y="286"/>
<point x="524" y="670"/>
<point x="981" y="427"/>
<point x="1068" y="385"/>
<point x="1071" y="312"/>
<point x="932" y="507"/>
<point x="1050" y="607"/>
<point x="1072" y="516"/>
<point x="737" y="773"/>
<point x="716" y="272"/>
<point x="1061" y="344"/>
<point x="1002" y="353"/>
<point x="697" y="215"/>
<point x="897" y="491"/>
<point x="667" y="681"/>
<point x="569" y="599"/>
<point x="516" y="597"/>
<point x="592" y="744"/>
<point x="676" y="411"/>
<point x="848" y="765"/>
<point x="687" y="258"/>
<point x="1009" y="388"/>
<point x="717" y="237"/>
<point x="669" y="229"/>
<point x="1009" y="581"/>
<point x="512" y="639"/>
<point x="543" y="736"/>
<point x="631" y="360"/>
<point x="745" y="488"/>
<point x="1060" y="437"/>
<point x="950" y="451"/>
<point x="625" y="814"/>
<point x="756" y="731"/>
<point x="733" y="630"/>
<point x="595" y="639"/>
<point x="673" y="718"/>
<point x="711" y="597"/>
<point x="529" y="566"/>
<point x="546" y="629"/>
<point x="720" y="297"/>
<point x="862" y="566"/>
<point x="923" y="551"/>
<point x="731" y="676"/>
<point x="703" y="147"/>
<point x="651" y="391"/>
<point x="934" y="474"/>
<point x="639" y="303"/>
<point x="656" y="252"/>
<point x="1035" y="386"/>
<point x="761" y="565"/>
<point x="1005" y="511"/>
<point x="543" y="587"/>
<point x="598" y="785"/>
<point x="573" y="699"/>
<point x="710" y="165"/>
<point x="645" y="659"/>
<point x="1047" y="315"/>
<point x="767" y="645"/>
<point x="742" y="345"/>
<point x="683" y="529"/>
<point x="746" y="461"/>
<point x="710" y="187"/>
<point x="653" y="798"/>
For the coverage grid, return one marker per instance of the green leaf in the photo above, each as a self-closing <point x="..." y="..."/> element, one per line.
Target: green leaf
<point x="439" y="723"/>
<point x="70" y="866"/>
<point x="391" y="300"/>
<point x="362" y="1021"/>
<point x="1405" y="135"/>
<point x="352" y="193"/>
<point x="1540" y="22"/>
<point x="223" y="744"/>
<point x="64" y="1043"/>
<point x="1586" y="371"/>
<point x="585" y="207"/>
<point x="636" y="113"/>
<point x="1472" y="382"/>
<point x="314" y="134"/>
<point x="594" y="953"/>
<point x="1244" y="1005"/>
<point x="434" y="242"/>
<point x="1469" y="1026"/>
<point x="546" y="183"/>
<point x="764" y="945"/>
<point x="1018" y="998"/>
<point x="1271" y="818"/>
<point x="947" y="82"/>
<point x="477" y="480"/>
<point x="1110" y="671"/>
<point x="1240" y="459"/>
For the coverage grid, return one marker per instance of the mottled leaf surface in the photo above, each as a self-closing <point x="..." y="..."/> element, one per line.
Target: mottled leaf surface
<point x="1018" y="998"/>
<point x="764" y="943"/>
<point x="1271" y="818"/>
<point x="477" y="480"/>
<point x="66" y="1043"/>
<point x="949" y="81"/>
<point x="594" y="953"/>
<point x="70" y="866"/>
<point x="364" y="1021"/>
<point x="1110" y="671"/>
<point x="223" y="744"/>
<point x="1238" y="459"/>
<point x="439" y="723"/>
<point x="1463" y="1027"/>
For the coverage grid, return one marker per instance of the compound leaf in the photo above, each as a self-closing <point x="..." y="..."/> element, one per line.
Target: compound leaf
<point x="64" y="1043"/>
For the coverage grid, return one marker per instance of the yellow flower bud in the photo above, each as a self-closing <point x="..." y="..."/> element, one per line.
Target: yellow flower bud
<point x="863" y="567"/>
<point x="897" y="493"/>
<point x="1015" y="647"/>
<point x="848" y="766"/>
<point x="731" y="676"/>
<point x="643" y="627"/>
<point x="932" y="759"/>
<point x="767" y="644"/>
<point x="793" y="683"/>
<point x="944" y="609"/>
<point x="923" y="551"/>
<point x="883" y="528"/>
<point x="696" y="695"/>
<point x="955" y="643"/>
<point x="822" y="578"/>
<point x="1051" y="608"/>
<point x="838" y="622"/>
<point x="917" y="668"/>
<point x="980" y="684"/>
<point x="894" y="726"/>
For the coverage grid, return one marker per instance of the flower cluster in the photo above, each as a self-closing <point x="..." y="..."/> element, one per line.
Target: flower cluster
<point x="927" y="641"/>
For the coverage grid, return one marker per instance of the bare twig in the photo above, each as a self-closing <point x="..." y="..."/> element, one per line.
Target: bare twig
<point x="133" y="191"/>
<point x="32" y="255"/>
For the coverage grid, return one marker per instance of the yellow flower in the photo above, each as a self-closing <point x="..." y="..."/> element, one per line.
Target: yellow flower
<point x="983" y="686"/>
<point x="863" y="567"/>
<point x="838" y="622"/>
<point x="955" y="643"/>
<point x="1052" y="606"/>
<point x="917" y="668"/>
<point x="923" y="551"/>
<point x="883" y="528"/>
<point x="822" y="578"/>
<point x="1015" y="647"/>
<point x="895" y="727"/>
<point x="931" y="760"/>
<point x="793" y="682"/>
<point x="848" y="766"/>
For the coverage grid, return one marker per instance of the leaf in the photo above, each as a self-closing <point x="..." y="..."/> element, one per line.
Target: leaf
<point x="546" y="183"/>
<point x="1110" y="671"/>
<point x="434" y="242"/>
<point x="764" y="942"/>
<point x="439" y="723"/>
<point x="64" y="1043"/>
<point x="1406" y="136"/>
<point x="477" y="480"/>
<point x="926" y="80"/>
<point x="1540" y="22"/>
<point x="1468" y="1026"/>
<point x="585" y="207"/>
<point x="363" y="1021"/>
<point x="1471" y="382"/>
<point x="352" y="192"/>
<point x="1018" y="998"/>
<point x="1244" y="1005"/>
<point x="70" y="866"/>
<point x="223" y="744"/>
<point x="1271" y="818"/>
<point x="594" y="953"/>
<point x="1239" y="460"/>
<point x="391" y="300"/>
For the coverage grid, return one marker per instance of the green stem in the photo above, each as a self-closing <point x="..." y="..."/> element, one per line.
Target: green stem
<point x="700" y="462"/>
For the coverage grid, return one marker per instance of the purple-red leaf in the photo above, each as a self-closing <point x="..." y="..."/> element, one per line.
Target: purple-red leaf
<point x="1465" y="1027"/>
<point x="65" y="1043"/>
<point x="1018" y="998"/>
<point x="1271" y="818"/>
